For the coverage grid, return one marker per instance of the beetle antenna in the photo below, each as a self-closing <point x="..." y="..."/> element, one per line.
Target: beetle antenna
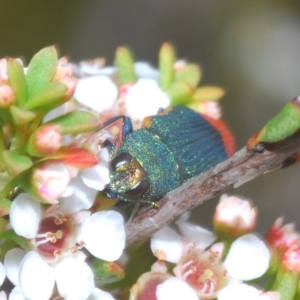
<point x="126" y="126"/>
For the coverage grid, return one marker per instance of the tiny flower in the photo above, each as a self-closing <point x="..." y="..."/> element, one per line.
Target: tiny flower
<point x="202" y="271"/>
<point x="167" y="244"/>
<point x="56" y="243"/>
<point x="234" y="217"/>
<point x="50" y="181"/>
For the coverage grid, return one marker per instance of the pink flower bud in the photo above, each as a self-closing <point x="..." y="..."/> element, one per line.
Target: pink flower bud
<point x="234" y="217"/>
<point x="7" y="96"/>
<point x="291" y="261"/>
<point x="64" y="74"/>
<point x="48" y="139"/>
<point x="50" y="181"/>
<point x="282" y="238"/>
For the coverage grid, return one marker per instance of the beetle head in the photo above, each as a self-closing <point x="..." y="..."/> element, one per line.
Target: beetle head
<point x="128" y="179"/>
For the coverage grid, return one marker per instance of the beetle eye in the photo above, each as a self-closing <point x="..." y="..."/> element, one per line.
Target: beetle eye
<point x="119" y="160"/>
<point x="138" y="190"/>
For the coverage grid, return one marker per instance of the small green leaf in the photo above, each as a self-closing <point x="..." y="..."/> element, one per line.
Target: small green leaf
<point x="17" y="80"/>
<point x="125" y="64"/>
<point x="166" y="62"/>
<point x="15" y="163"/>
<point x="208" y="93"/>
<point x="286" y="284"/>
<point x="21" y="116"/>
<point x="41" y="70"/>
<point x="51" y="92"/>
<point x="104" y="271"/>
<point x="180" y="93"/>
<point x="283" y="125"/>
<point x="189" y="73"/>
<point x="77" y="122"/>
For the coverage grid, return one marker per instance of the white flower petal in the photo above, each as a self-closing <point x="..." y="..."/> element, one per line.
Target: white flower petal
<point x="74" y="278"/>
<point x="100" y="295"/>
<point x="12" y="262"/>
<point x="248" y="258"/>
<point x="96" y="177"/>
<point x="196" y="234"/>
<point x="36" y="277"/>
<point x="103" y="234"/>
<point x="82" y="197"/>
<point x="16" y="294"/>
<point x="145" y="98"/>
<point x="166" y="245"/>
<point x="25" y="215"/>
<point x="175" y="289"/>
<point x="238" y="292"/>
<point x="96" y="92"/>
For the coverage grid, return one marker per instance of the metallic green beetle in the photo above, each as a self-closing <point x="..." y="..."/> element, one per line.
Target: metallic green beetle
<point x="172" y="147"/>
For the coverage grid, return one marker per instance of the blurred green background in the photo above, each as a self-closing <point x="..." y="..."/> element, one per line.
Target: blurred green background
<point x="251" y="48"/>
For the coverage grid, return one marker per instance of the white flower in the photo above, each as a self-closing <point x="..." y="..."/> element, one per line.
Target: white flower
<point x="56" y="244"/>
<point x="168" y="245"/>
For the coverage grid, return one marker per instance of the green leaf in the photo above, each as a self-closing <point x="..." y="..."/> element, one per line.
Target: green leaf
<point x="21" y="116"/>
<point x="125" y="64"/>
<point x="104" y="271"/>
<point x="15" y="163"/>
<point x="77" y="122"/>
<point x="190" y="73"/>
<point x="51" y="92"/>
<point x="4" y="206"/>
<point x="208" y="93"/>
<point x="283" y="125"/>
<point x="17" y="80"/>
<point x="166" y="60"/>
<point x="180" y="93"/>
<point x="11" y="235"/>
<point x="41" y="70"/>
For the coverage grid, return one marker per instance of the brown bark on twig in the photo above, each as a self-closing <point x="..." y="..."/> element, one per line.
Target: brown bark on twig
<point x="243" y="166"/>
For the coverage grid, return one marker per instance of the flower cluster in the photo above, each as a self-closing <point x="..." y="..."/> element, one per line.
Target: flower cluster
<point x="59" y="238"/>
<point x="225" y="265"/>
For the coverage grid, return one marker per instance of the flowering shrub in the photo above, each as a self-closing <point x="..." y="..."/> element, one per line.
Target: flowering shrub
<point x="61" y="239"/>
